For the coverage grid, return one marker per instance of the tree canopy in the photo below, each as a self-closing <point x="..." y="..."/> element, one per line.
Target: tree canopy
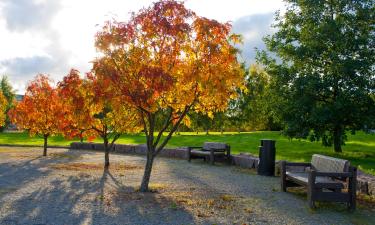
<point x="165" y="61"/>
<point x="41" y="110"/>
<point x="326" y="71"/>
<point x="93" y="110"/>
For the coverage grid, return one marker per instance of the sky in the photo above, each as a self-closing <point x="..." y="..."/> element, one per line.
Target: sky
<point x="53" y="36"/>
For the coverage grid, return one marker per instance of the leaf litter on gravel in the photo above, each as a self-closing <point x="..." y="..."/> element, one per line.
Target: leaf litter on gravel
<point x="94" y="166"/>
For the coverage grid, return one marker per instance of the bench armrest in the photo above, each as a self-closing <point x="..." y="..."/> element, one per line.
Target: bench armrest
<point x="283" y="164"/>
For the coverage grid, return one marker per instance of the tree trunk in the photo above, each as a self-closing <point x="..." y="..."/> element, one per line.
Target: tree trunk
<point x="81" y="136"/>
<point x="147" y="172"/>
<point x="106" y="153"/>
<point x="337" y="139"/>
<point x="45" y="137"/>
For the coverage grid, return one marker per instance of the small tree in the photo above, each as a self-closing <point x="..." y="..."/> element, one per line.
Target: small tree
<point x="166" y="61"/>
<point x="40" y="111"/>
<point x="92" y="110"/>
<point x="3" y="109"/>
<point x="325" y="74"/>
<point x="75" y="93"/>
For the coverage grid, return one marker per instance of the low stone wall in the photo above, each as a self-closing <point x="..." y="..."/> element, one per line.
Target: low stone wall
<point x="180" y="153"/>
<point x="365" y="183"/>
<point x="245" y="160"/>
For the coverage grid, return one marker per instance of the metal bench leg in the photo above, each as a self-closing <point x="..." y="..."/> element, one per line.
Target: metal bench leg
<point x="311" y="189"/>
<point x="352" y="189"/>
<point x="189" y="154"/>
<point x="212" y="157"/>
<point x="283" y="175"/>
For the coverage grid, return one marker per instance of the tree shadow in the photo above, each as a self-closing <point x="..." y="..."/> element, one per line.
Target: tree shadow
<point x="84" y="198"/>
<point x="262" y="192"/>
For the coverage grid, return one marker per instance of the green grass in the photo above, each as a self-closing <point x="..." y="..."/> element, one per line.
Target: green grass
<point x="359" y="149"/>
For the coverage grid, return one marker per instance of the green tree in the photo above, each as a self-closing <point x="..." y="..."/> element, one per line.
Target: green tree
<point x="200" y="122"/>
<point x="325" y="74"/>
<point x="9" y="94"/>
<point x="254" y="108"/>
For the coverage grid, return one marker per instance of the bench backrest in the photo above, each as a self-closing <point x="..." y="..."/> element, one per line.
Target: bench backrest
<point x="324" y="163"/>
<point x="215" y="145"/>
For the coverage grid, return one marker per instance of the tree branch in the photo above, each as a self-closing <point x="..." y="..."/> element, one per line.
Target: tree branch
<point x="166" y="125"/>
<point x="174" y="128"/>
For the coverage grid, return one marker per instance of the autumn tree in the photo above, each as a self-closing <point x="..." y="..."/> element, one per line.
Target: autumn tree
<point x="325" y="72"/>
<point x="93" y="111"/>
<point x="40" y="111"/>
<point x="3" y="109"/>
<point x="76" y="94"/>
<point x="8" y="93"/>
<point x="166" y="61"/>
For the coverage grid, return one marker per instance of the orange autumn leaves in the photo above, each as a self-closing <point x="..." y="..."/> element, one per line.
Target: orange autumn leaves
<point x="164" y="62"/>
<point x="40" y="108"/>
<point x="167" y="57"/>
<point x="152" y="70"/>
<point x="71" y="108"/>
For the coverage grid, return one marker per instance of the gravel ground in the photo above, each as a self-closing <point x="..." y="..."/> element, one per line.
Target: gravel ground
<point x="71" y="187"/>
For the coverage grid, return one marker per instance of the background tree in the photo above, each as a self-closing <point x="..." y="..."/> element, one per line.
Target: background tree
<point x="166" y="61"/>
<point x="3" y="109"/>
<point x="40" y="111"/>
<point x="8" y="92"/>
<point x="92" y="110"/>
<point x="254" y="108"/>
<point x="326" y="74"/>
<point x="201" y="121"/>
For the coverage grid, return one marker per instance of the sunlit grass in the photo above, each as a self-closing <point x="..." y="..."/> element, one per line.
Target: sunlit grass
<point x="359" y="149"/>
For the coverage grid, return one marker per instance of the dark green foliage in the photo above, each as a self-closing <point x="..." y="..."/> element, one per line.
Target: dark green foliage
<point x="326" y="75"/>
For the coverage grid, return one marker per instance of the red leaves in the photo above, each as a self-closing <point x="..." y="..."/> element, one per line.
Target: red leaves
<point x="41" y="109"/>
<point x="166" y="56"/>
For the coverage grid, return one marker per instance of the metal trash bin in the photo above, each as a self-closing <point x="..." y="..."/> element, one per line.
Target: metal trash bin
<point x="267" y="153"/>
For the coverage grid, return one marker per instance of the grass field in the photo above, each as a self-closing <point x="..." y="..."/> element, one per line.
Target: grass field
<point x="359" y="149"/>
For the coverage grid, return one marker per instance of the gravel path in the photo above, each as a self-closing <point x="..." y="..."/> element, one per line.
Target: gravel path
<point x="70" y="187"/>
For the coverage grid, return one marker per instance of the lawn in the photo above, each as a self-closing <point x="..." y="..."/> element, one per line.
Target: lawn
<point x="359" y="149"/>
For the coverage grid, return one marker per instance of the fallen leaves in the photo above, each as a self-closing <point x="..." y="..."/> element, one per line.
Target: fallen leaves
<point x="94" y="166"/>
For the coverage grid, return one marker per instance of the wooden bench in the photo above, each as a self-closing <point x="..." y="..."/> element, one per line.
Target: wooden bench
<point x="211" y="151"/>
<point x="325" y="179"/>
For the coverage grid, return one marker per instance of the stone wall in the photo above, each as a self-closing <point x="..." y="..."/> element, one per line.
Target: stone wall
<point x="365" y="183"/>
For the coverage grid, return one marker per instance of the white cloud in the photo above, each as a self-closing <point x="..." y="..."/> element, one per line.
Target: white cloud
<point x="51" y="36"/>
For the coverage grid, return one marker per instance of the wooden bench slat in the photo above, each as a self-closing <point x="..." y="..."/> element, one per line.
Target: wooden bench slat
<point x="320" y="182"/>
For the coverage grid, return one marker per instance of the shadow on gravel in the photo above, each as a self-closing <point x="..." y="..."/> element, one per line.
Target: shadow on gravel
<point x="126" y="205"/>
<point x="83" y="199"/>
<point x="263" y="193"/>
